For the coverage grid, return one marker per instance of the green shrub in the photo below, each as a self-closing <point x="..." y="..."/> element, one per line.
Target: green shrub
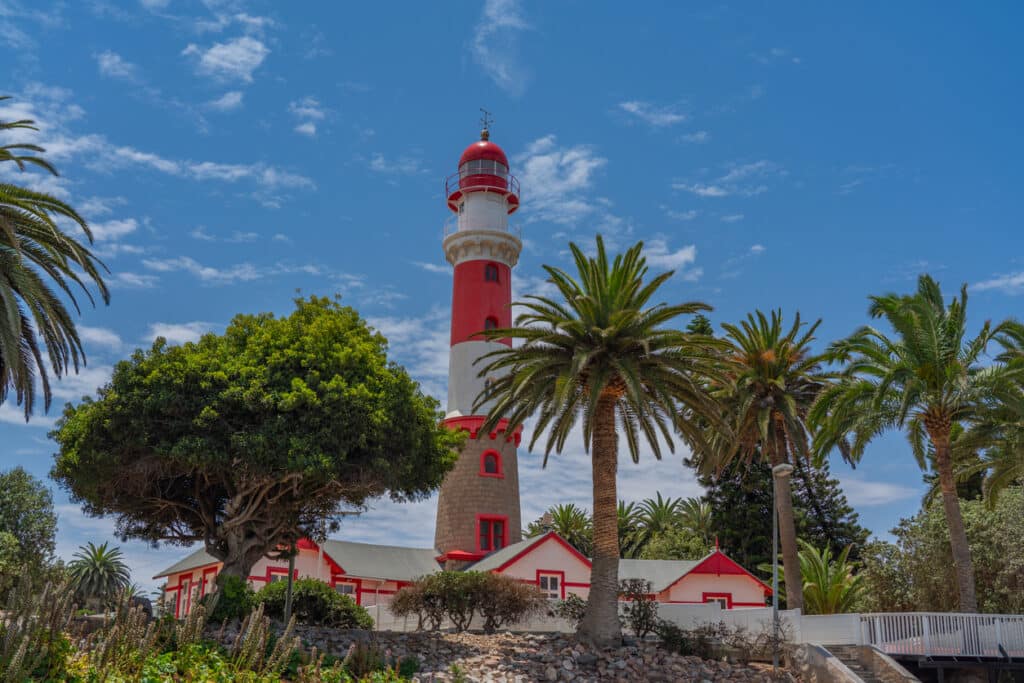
<point x="640" y="611"/>
<point x="704" y="641"/>
<point x="460" y="596"/>
<point x="314" y="603"/>
<point x="571" y="609"/>
<point x="233" y="599"/>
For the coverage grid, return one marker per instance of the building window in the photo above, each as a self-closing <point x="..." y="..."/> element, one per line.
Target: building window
<point x="490" y="273"/>
<point x="490" y="464"/>
<point x="491" y="323"/>
<point x="550" y="585"/>
<point x="492" y="533"/>
<point x="724" y="600"/>
<point x="346" y="588"/>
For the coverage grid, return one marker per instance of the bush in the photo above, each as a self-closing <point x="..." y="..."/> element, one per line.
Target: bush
<point x="640" y="613"/>
<point x="460" y="596"/>
<point x="314" y="603"/>
<point x="571" y="609"/>
<point x="233" y="599"/>
<point x="703" y="641"/>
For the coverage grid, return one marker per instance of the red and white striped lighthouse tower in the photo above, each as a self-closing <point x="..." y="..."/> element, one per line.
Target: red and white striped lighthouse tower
<point x="478" y="505"/>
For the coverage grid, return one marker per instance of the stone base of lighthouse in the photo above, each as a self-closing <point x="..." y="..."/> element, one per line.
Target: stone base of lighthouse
<point x="471" y="496"/>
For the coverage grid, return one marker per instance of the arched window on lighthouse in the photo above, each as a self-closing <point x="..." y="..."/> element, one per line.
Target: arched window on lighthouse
<point x="491" y="323"/>
<point x="490" y="464"/>
<point x="490" y="273"/>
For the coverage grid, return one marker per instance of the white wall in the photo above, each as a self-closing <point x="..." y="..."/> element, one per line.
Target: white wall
<point x="693" y="586"/>
<point x="550" y="555"/>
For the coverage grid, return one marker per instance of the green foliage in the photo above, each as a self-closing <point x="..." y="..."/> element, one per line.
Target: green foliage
<point x="314" y="603"/>
<point x="917" y="571"/>
<point x="260" y="434"/>
<point x="233" y="599"/>
<point x="823" y="516"/>
<point x="28" y="526"/>
<point x="640" y="612"/>
<point x="830" y="584"/>
<point x="570" y="522"/>
<point x="32" y="641"/>
<point x="461" y="596"/>
<point x="38" y="257"/>
<point x="676" y="543"/>
<point x="571" y="609"/>
<point x="98" y="574"/>
<point x="703" y="641"/>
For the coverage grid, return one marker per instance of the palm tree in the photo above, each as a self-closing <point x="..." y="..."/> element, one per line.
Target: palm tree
<point x="996" y="442"/>
<point x="925" y="378"/>
<point x="33" y="251"/>
<point x="599" y="355"/>
<point x="632" y="534"/>
<point x="829" y="584"/>
<point x="772" y="379"/>
<point x="570" y="522"/>
<point x="98" y="574"/>
<point x="695" y="516"/>
<point x="660" y="514"/>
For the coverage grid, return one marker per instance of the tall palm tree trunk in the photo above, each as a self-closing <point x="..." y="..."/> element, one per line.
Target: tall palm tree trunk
<point x="787" y="534"/>
<point x="600" y="624"/>
<point x="955" y="521"/>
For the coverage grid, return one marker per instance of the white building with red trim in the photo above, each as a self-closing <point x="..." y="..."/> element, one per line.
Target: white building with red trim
<point x="478" y="522"/>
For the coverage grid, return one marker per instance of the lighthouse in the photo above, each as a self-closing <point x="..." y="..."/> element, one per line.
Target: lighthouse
<point x="478" y="505"/>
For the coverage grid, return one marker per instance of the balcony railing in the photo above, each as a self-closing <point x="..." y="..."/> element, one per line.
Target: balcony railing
<point x="499" y="181"/>
<point x="935" y="634"/>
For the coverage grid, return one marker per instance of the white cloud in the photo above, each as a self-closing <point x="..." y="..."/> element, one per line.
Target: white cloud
<point x="699" y="137"/>
<point x="280" y="237"/>
<point x="557" y="180"/>
<point x="308" y="129"/>
<point x="112" y="65"/>
<point x="229" y="101"/>
<point x="307" y="108"/>
<point x="100" y="336"/>
<point x="732" y="218"/>
<point x="403" y="165"/>
<point x="242" y="272"/>
<point x="660" y="255"/>
<point x="100" y="206"/>
<point x="154" y="4"/>
<point x="736" y="181"/>
<point x="1012" y="283"/>
<point x="126" y="280"/>
<point x="757" y="249"/>
<point x="443" y="269"/>
<point x="653" y="115"/>
<point x="85" y="382"/>
<point x="113" y="229"/>
<point x="178" y="333"/>
<point x="495" y="46"/>
<point x="680" y="215"/>
<point x="14" y="415"/>
<point x="863" y="493"/>
<point x="422" y="345"/>
<point x="235" y="60"/>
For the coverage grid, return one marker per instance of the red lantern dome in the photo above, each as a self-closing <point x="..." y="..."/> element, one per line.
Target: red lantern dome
<point x="483" y="167"/>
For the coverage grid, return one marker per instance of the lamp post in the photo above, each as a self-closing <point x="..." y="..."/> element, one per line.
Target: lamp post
<point x="778" y="472"/>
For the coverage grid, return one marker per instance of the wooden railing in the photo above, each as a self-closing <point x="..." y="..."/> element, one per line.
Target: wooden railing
<point x="939" y="634"/>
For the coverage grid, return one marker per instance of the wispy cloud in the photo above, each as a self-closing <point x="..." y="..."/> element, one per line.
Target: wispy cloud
<point x="660" y="255"/>
<point x="653" y="115"/>
<point x="732" y="218"/>
<point x="101" y="337"/>
<point x="1010" y="283"/>
<point x="179" y="333"/>
<point x="864" y="493"/>
<point x="744" y="180"/>
<point x="308" y="111"/>
<point x="698" y="137"/>
<point x="234" y="60"/>
<point x="688" y="215"/>
<point x="127" y="280"/>
<point x="775" y="55"/>
<point x="229" y="101"/>
<point x="113" y="65"/>
<point x="242" y="272"/>
<point x="403" y="165"/>
<point x="14" y="415"/>
<point x="558" y="179"/>
<point x="439" y="268"/>
<point x="733" y="266"/>
<point x="113" y="229"/>
<point x="495" y="45"/>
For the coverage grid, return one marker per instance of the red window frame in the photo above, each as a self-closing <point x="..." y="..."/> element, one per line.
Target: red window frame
<point x="708" y="597"/>
<point x="489" y="520"/>
<point x="499" y="472"/>
<point x="556" y="574"/>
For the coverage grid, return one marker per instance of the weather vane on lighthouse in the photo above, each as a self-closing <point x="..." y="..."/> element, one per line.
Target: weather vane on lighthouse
<point x="485" y="124"/>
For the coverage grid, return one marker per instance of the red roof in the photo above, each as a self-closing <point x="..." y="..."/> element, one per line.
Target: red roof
<point x="484" y="149"/>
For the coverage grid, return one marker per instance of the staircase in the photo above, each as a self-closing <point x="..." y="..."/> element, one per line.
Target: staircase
<point x="849" y="655"/>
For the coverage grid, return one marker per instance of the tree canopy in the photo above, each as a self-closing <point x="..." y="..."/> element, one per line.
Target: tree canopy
<point x="28" y="525"/>
<point x="251" y="439"/>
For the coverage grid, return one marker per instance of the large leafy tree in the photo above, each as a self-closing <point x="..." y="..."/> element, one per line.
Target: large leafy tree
<point x="28" y="526"/>
<point x="772" y="377"/>
<point x="98" y="574"/>
<point x="39" y="261"/>
<point x="250" y="440"/>
<point x="925" y="377"/>
<point x="599" y="355"/>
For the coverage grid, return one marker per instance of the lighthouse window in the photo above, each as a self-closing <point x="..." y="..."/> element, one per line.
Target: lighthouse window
<point x="492" y="533"/>
<point x="491" y="324"/>
<point x="490" y="464"/>
<point x="490" y="273"/>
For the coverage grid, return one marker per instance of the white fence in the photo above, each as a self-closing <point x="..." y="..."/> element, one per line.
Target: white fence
<point x="937" y="634"/>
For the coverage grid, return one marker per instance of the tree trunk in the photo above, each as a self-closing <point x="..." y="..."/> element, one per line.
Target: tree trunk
<point x="242" y="553"/>
<point x="787" y="535"/>
<point x="955" y="521"/>
<point x="600" y="624"/>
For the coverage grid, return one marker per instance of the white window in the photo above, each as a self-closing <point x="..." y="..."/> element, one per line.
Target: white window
<point x="551" y="586"/>
<point x="722" y="602"/>
<point x="274" y="578"/>
<point x="346" y="588"/>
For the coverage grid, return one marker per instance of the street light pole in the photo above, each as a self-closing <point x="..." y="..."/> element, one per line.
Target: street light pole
<point x="779" y="471"/>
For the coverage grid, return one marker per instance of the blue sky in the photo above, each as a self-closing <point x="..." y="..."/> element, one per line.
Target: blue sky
<point x="228" y="153"/>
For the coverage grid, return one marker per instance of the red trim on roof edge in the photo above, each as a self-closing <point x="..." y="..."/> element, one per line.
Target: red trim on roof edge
<point x="542" y="539"/>
<point x="719" y="563"/>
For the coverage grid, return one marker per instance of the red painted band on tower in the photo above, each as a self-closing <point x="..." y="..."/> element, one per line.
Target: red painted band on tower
<point x="476" y="299"/>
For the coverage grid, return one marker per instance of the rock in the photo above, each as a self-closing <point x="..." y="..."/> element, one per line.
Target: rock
<point x="551" y="674"/>
<point x="568" y="665"/>
<point x="586" y="659"/>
